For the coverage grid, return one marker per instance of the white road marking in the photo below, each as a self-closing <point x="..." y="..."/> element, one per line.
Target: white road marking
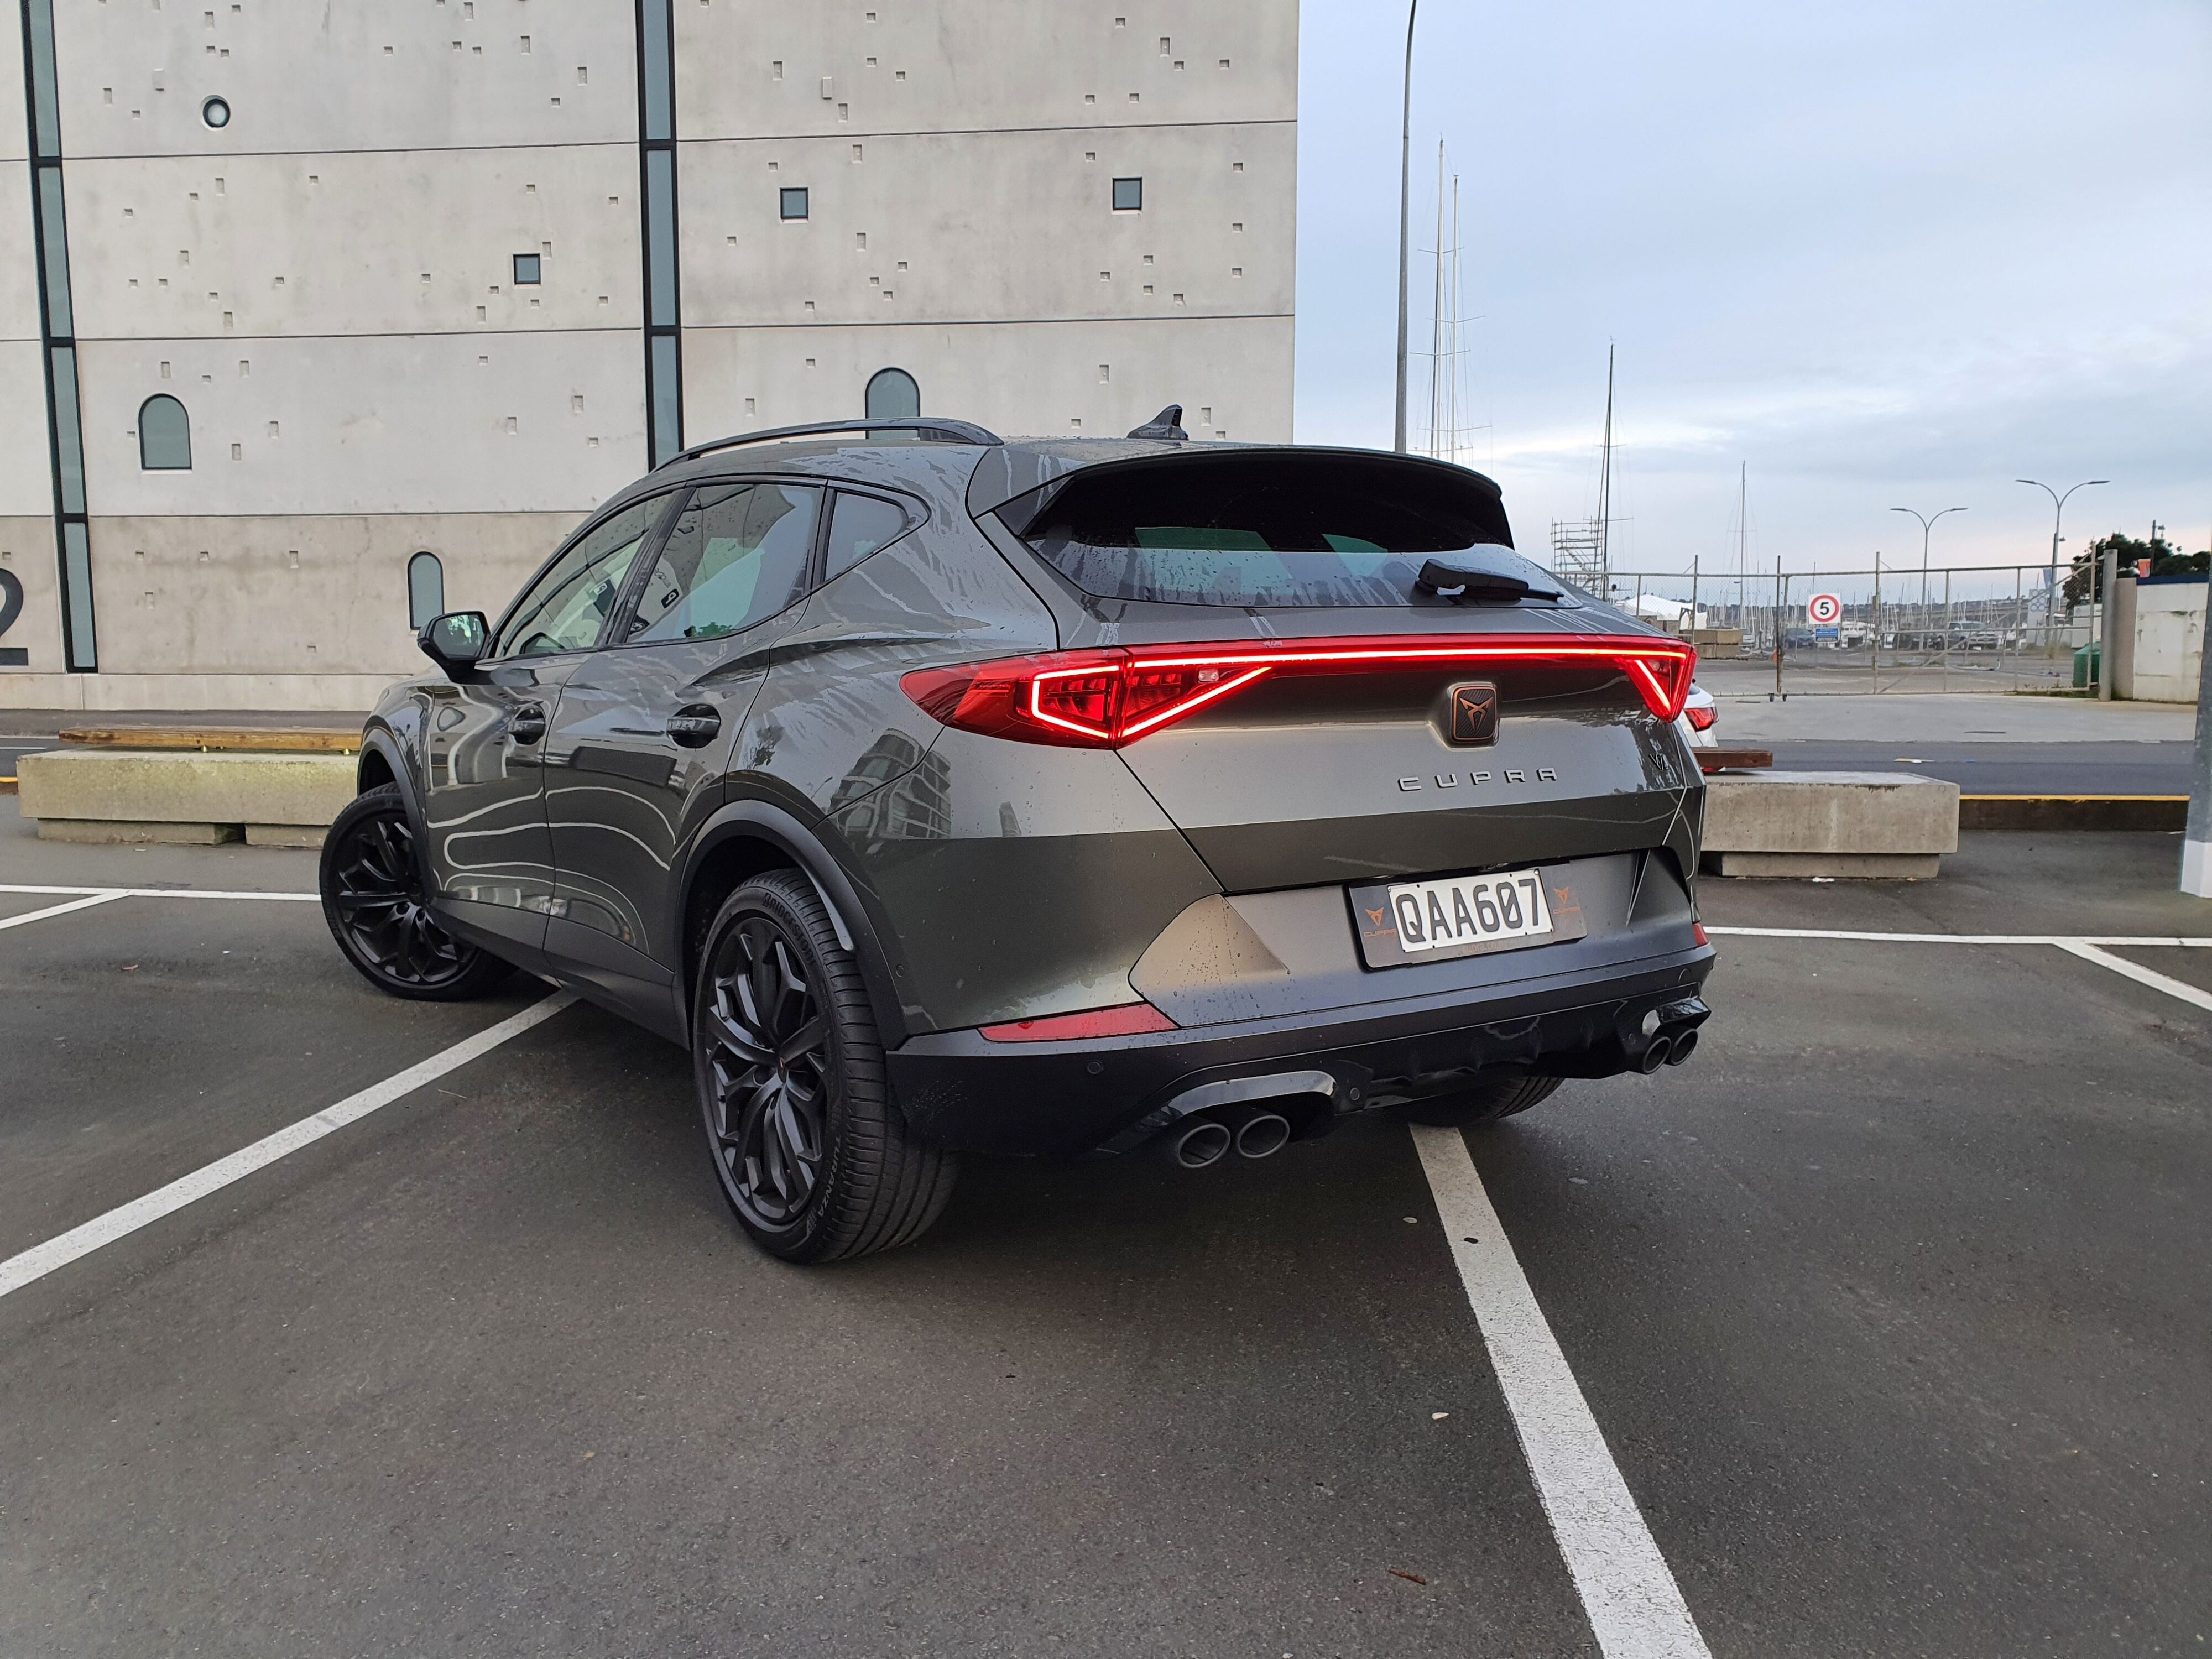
<point x="2173" y="988"/>
<point x="1635" y="1608"/>
<point x="167" y="892"/>
<point x="40" y="1260"/>
<point x="2060" y="939"/>
<point x="85" y="903"/>
<point x="2088" y="946"/>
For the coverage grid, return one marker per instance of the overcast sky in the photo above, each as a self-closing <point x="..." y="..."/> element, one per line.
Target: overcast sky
<point x="1886" y="254"/>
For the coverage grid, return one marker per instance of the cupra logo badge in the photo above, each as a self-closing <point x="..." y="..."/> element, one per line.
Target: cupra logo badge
<point x="1473" y="713"/>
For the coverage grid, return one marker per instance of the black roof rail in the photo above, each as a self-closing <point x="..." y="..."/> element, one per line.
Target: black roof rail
<point x="930" y="430"/>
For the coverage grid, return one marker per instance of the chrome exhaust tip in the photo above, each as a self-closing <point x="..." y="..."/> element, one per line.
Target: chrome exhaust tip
<point x="1263" y="1134"/>
<point x="1201" y="1143"/>
<point x="1655" y="1054"/>
<point x="1684" y="1046"/>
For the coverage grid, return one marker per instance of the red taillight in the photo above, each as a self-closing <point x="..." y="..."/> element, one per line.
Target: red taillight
<point x="1130" y="1019"/>
<point x="1106" y="698"/>
<point x="1697" y="932"/>
<point x="1701" y="720"/>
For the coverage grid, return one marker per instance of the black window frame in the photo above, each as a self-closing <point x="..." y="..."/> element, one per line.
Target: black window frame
<point x="784" y="193"/>
<point x="536" y="277"/>
<point x="1138" y="206"/>
<point x="650" y="545"/>
<point x="917" y="515"/>
<point x="164" y="396"/>
<point x="617" y="637"/>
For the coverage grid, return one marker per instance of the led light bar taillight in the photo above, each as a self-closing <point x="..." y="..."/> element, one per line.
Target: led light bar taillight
<point x="1106" y="698"/>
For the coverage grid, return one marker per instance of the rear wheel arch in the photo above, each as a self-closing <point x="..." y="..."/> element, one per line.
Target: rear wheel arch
<point x="745" y="839"/>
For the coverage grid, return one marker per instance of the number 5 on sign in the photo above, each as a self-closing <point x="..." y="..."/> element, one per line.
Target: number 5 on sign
<point x="1824" y="610"/>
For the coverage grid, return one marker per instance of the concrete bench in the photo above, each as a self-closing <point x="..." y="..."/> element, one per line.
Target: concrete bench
<point x="1828" y="823"/>
<point x="183" y="796"/>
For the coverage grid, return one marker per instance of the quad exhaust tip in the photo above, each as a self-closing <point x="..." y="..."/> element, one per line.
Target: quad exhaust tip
<point x="1201" y="1143"/>
<point x="1656" y="1053"/>
<point x="1684" y="1046"/>
<point x="1263" y="1134"/>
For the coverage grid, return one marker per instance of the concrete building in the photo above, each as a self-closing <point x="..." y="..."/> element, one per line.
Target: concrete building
<point x="314" y="291"/>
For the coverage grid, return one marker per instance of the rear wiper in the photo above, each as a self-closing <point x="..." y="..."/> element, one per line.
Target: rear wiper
<point x="1479" y="587"/>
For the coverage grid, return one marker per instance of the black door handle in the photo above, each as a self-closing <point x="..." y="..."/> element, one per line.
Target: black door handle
<point x="695" y="726"/>
<point x="527" y="724"/>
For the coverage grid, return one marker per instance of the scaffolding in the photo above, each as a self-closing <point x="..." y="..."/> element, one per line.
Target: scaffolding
<point x="1578" y="553"/>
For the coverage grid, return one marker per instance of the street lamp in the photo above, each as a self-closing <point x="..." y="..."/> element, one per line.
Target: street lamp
<point x="1405" y="201"/>
<point x="1927" y="525"/>
<point x="2057" y="511"/>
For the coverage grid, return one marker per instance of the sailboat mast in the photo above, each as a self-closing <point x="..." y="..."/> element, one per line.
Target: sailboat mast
<point x="1437" y="346"/>
<point x="1605" y="488"/>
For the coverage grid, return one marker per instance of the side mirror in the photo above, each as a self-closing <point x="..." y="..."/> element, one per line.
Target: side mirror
<point x="456" y="641"/>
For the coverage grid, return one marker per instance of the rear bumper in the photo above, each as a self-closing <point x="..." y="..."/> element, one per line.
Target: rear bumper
<point x="1061" y="1098"/>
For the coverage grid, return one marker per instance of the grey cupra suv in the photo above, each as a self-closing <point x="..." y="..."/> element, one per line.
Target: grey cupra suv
<point x="941" y="792"/>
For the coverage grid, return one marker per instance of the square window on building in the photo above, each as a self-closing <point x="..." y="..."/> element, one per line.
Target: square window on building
<point x="1128" y="195"/>
<point x="528" y="267"/>
<point x="794" y="203"/>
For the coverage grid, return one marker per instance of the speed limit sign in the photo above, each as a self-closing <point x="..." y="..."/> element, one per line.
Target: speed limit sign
<point x="1824" y="610"/>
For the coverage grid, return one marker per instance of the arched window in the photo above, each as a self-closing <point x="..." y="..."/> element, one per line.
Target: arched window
<point x="426" y="590"/>
<point x="165" y="436"/>
<point x="893" y="396"/>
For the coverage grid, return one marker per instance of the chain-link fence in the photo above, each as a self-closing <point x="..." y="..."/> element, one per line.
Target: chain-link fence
<point x="1978" y="629"/>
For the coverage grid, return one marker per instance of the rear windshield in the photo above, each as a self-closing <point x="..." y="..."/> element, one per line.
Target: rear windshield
<point x="1269" y="529"/>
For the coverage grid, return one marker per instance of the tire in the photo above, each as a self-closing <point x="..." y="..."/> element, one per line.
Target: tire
<point x="1489" y="1100"/>
<point x="373" y="898"/>
<point x="811" y="1151"/>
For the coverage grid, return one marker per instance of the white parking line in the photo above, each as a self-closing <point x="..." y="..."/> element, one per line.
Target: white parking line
<point x="2084" y="946"/>
<point x="2141" y="975"/>
<point x="168" y="892"/>
<point x="40" y="1260"/>
<point x="1635" y="1608"/>
<point x="85" y="903"/>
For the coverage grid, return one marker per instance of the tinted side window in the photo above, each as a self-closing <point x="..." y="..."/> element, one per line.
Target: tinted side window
<point x="861" y="525"/>
<point x="736" y="556"/>
<point x="567" y="606"/>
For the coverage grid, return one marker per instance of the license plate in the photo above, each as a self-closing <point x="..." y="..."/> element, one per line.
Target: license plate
<point x="1411" y="922"/>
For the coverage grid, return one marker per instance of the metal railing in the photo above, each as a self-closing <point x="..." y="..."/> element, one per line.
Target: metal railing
<point x="1977" y="628"/>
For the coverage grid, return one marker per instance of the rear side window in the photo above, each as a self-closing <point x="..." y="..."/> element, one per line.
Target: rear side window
<point x="857" y="527"/>
<point x="736" y="556"/>
<point x="1262" y="528"/>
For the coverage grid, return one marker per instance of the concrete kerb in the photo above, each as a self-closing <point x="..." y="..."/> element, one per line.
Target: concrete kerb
<point x="1846" y="825"/>
<point x="137" y="795"/>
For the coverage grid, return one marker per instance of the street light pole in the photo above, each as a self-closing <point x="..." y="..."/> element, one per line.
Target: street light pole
<point x="1405" y="208"/>
<point x="2057" y="513"/>
<point x="1927" y="525"/>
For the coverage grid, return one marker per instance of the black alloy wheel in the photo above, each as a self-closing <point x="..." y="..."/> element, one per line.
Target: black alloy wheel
<point x="374" y="902"/>
<point x="810" y="1150"/>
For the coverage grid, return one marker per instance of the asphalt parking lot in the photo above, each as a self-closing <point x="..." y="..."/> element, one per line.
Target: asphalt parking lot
<point x="1892" y="1309"/>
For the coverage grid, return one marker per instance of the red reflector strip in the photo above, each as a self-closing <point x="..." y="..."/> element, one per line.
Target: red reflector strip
<point x="1701" y="720"/>
<point x="1130" y="1019"/>
<point x="1108" y="697"/>
<point x="1697" y="932"/>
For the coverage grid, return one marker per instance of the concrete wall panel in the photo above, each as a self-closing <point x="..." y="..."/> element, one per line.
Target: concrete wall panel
<point x="19" y="255"/>
<point x="423" y="423"/>
<point x="342" y="244"/>
<point x="422" y="75"/>
<point x="26" y="476"/>
<point x="1231" y="375"/>
<point x="752" y="68"/>
<point x="15" y="123"/>
<point x="306" y="595"/>
<point x="1017" y="226"/>
<point x="26" y="552"/>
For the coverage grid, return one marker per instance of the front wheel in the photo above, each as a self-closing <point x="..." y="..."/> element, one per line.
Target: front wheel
<point x="374" y="902"/>
<point x="809" y="1147"/>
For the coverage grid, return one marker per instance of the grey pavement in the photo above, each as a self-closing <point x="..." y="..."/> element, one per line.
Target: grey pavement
<point x="2005" y="768"/>
<point x="1891" y="1306"/>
